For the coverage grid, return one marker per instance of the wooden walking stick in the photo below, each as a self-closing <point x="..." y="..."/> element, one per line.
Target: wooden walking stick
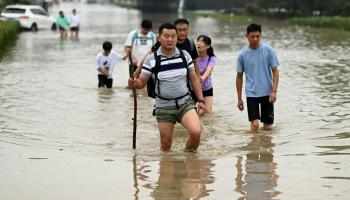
<point x="132" y="68"/>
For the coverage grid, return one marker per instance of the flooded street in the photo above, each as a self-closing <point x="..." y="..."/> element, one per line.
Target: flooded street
<point x="62" y="138"/>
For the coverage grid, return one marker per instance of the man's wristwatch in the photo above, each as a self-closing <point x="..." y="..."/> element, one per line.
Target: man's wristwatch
<point x="201" y="101"/>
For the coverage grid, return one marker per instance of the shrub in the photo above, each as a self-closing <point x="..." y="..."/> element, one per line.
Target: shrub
<point x="323" y="22"/>
<point x="8" y="33"/>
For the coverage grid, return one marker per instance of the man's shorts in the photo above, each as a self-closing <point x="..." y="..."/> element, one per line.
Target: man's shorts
<point x="255" y="104"/>
<point x="74" y="28"/>
<point x="172" y="114"/>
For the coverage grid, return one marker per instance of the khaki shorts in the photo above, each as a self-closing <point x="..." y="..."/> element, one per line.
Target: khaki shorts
<point x="172" y="114"/>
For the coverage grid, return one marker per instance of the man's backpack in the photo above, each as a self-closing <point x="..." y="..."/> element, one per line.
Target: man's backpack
<point x="151" y="84"/>
<point x="151" y="88"/>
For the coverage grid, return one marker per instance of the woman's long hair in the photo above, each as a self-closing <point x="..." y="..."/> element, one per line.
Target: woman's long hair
<point x="207" y="41"/>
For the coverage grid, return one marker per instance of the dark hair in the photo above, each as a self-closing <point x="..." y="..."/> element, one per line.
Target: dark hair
<point x="166" y="26"/>
<point x="181" y="21"/>
<point x="107" y="45"/>
<point x="147" y="24"/>
<point x="253" y="28"/>
<point x="207" y="41"/>
<point x="61" y="12"/>
<point x="74" y="10"/>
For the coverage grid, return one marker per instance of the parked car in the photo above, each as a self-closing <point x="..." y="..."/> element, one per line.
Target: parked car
<point x="31" y="17"/>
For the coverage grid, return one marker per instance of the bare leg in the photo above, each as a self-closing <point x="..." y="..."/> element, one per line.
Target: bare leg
<point x="254" y="125"/>
<point x="192" y="124"/>
<point x="208" y="104"/>
<point x="166" y="133"/>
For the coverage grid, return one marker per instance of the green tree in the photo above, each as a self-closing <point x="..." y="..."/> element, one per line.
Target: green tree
<point x="295" y="7"/>
<point x="8" y="2"/>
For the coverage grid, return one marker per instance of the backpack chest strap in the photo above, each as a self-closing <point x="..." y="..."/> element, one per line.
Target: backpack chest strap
<point x="157" y="82"/>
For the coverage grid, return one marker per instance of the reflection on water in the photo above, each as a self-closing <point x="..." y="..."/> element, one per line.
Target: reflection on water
<point x="256" y="173"/>
<point x="183" y="179"/>
<point x="175" y="178"/>
<point x="105" y="95"/>
<point x="136" y="174"/>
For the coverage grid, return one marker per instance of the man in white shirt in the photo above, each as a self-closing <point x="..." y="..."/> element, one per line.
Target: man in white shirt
<point x="139" y="42"/>
<point x="74" y="23"/>
<point x="105" y="62"/>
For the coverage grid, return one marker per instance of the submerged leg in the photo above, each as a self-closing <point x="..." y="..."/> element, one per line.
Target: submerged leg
<point x="192" y="124"/>
<point x="166" y="133"/>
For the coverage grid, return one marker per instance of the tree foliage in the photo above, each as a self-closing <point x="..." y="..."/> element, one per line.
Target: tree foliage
<point x="8" y="2"/>
<point x="295" y="7"/>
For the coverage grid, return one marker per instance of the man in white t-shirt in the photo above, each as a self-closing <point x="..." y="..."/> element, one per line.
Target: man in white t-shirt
<point x="140" y="41"/>
<point x="105" y="62"/>
<point x="74" y="23"/>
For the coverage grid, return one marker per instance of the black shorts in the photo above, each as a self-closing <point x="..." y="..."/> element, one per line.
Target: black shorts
<point x="206" y="93"/>
<point x="257" y="104"/>
<point x="75" y="28"/>
<point x="104" y="81"/>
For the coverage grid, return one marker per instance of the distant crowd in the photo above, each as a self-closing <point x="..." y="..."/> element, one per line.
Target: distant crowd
<point x="65" y="25"/>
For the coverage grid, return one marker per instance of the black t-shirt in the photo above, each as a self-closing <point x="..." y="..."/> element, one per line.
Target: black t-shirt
<point x="184" y="46"/>
<point x="187" y="46"/>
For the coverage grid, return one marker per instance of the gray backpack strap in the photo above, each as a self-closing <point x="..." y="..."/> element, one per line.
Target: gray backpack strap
<point x="191" y="44"/>
<point x="134" y="37"/>
<point x="153" y="36"/>
<point x="184" y="60"/>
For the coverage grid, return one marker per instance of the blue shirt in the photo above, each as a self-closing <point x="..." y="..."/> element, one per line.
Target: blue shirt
<point x="257" y="64"/>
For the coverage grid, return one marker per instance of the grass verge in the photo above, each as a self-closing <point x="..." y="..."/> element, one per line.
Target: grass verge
<point x="8" y="34"/>
<point x="222" y="16"/>
<point x="323" y="22"/>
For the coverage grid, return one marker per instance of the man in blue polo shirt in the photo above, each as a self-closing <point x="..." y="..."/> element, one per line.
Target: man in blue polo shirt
<point x="259" y="63"/>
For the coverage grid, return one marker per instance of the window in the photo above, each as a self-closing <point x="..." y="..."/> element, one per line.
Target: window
<point x="15" y="10"/>
<point x="38" y="12"/>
